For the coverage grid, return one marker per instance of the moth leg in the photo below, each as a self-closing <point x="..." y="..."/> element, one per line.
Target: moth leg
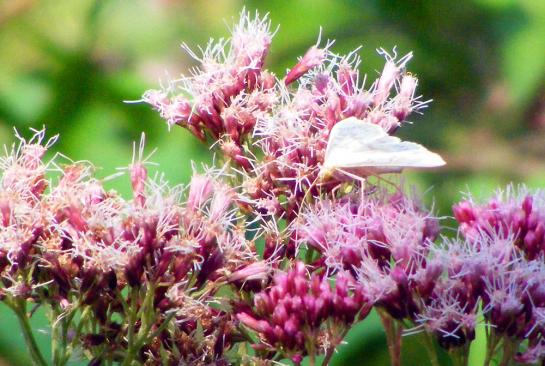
<point x="356" y="178"/>
<point x="388" y="182"/>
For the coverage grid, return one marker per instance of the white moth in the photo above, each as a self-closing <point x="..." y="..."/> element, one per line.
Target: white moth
<point x="363" y="148"/>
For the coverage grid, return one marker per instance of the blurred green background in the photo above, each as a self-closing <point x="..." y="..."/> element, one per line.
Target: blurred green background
<point x="69" y="65"/>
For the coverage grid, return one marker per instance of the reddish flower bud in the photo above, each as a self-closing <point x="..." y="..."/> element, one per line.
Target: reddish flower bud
<point x="312" y="58"/>
<point x="139" y="174"/>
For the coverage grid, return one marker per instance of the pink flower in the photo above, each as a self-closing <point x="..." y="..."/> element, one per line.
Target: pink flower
<point x="449" y="317"/>
<point x="200" y="190"/>
<point x="312" y="58"/>
<point x="391" y="72"/>
<point x="208" y="101"/>
<point x="292" y="313"/>
<point x="384" y="227"/>
<point x="514" y="210"/>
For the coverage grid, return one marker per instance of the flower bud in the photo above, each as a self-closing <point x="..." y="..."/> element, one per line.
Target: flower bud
<point x="139" y="174"/>
<point x="200" y="190"/>
<point x="312" y="58"/>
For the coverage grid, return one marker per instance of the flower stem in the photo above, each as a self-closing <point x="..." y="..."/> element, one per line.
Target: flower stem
<point x="460" y="355"/>
<point x="328" y="356"/>
<point x="133" y="311"/>
<point x="492" y="344"/>
<point x="430" y="348"/>
<point x="311" y="355"/>
<point x="76" y="340"/>
<point x="337" y="335"/>
<point x="393" y="337"/>
<point x="146" y="316"/>
<point x="58" y="339"/>
<point x="509" y="350"/>
<point x="55" y="349"/>
<point x="19" y="307"/>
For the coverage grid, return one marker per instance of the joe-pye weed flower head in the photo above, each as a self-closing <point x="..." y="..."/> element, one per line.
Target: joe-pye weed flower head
<point x="263" y="259"/>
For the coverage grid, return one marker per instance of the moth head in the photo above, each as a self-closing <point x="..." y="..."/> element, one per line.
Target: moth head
<point x="326" y="173"/>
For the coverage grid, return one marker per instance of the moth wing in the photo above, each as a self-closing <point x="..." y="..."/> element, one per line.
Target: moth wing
<point x="346" y="140"/>
<point x="391" y="152"/>
<point x="357" y="144"/>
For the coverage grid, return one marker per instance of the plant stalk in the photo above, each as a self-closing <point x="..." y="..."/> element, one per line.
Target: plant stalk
<point x="430" y="348"/>
<point x="493" y="342"/>
<point x="509" y="350"/>
<point x="20" y="310"/>
<point x="133" y="311"/>
<point x="393" y="338"/>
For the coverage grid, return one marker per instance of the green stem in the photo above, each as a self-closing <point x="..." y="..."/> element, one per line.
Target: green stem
<point x="331" y="350"/>
<point x="146" y="316"/>
<point x="430" y="348"/>
<point x="311" y="347"/>
<point x="70" y="348"/>
<point x="465" y="355"/>
<point x="492" y="344"/>
<point x="509" y="349"/>
<point x="460" y="355"/>
<point x="328" y="356"/>
<point x="312" y="359"/>
<point x="146" y="338"/>
<point x="57" y="346"/>
<point x="160" y="329"/>
<point x="60" y="328"/>
<point x="19" y="307"/>
<point x="456" y="357"/>
<point x="133" y="311"/>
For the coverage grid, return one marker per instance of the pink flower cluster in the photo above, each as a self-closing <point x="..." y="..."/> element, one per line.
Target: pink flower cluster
<point x="514" y="210"/>
<point x="486" y="275"/>
<point x="248" y="112"/>
<point x="299" y="309"/>
<point x="265" y="259"/>
<point x="504" y="263"/>
<point x="226" y="95"/>
<point x="383" y="227"/>
<point x="78" y="245"/>
<point x="383" y="241"/>
<point x="387" y="243"/>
